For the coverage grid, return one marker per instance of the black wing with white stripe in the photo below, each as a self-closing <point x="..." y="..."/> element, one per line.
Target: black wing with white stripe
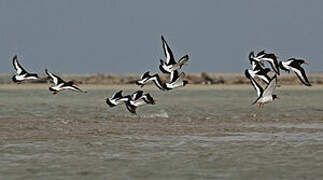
<point x="19" y="69"/>
<point x="168" y="52"/>
<point x="55" y="79"/>
<point x="300" y="72"/>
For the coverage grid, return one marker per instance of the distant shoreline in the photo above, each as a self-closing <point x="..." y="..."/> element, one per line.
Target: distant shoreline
<point x="194" y="78"/>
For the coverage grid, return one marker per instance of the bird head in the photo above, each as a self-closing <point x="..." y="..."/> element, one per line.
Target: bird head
<point x="149" y="99"/>
<point x="185" y="82"/>
<point x="275" y="97"/>
<point x="306" y="63"/>
<point x="72" y="83"/>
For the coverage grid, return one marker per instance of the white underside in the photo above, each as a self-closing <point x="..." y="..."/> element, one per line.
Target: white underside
<point x="265" y="100"/>
<point x="23" y="77"/>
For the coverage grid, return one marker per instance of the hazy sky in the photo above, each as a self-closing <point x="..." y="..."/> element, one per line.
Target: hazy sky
<point x="121" y="36"/>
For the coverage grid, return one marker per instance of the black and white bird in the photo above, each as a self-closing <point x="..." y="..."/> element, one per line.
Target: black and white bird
<point x="139" y="99"/>
<point x="61" y="85"/>
<point x="262" y="57"/>
<point x="22" y="74"/>
<point x="258" y="71"/>
<point x="293" y="64"/>
<point x="117" y="99"/>
<point x="265" y="95"/>
<point x="176" y="80"/>
<point x="146" y="77"/>
<point x="170" y="64"/>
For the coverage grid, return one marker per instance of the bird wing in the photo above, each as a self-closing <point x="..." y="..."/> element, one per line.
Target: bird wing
<point x="264" y="77"/>
<point x="136" y="95"/>
<point x="74" y="88"/>
<point x="183" y="60"/>
<point x="168" y="52"/>
<point x="57" y="80"/>
<point x="175" y="77"/>
<point x="131" y="108"/>
<point x="257" y="65"/>
<point x="117" y="95"/>
<point x="300" y="72"/>
<point x="145" y="75"/>
<point x="271" y="87"/>
<point x="261" y="53"/>
<point x="156" y="79"/>
<point x="19" y="69"/>
<point x="254" y="65"/>
<point x="271" y="58"/>
<point x="257" y="87"/>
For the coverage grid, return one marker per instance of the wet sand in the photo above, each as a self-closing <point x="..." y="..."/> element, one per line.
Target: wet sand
<point x="198" y="132"/>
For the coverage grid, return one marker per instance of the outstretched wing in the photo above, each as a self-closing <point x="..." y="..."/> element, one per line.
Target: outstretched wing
<point x="261" y="53"/>
<point x="74" y="88"/>
<point x="157" y="81"/>
<point x="56" y="80"/>
<point x="257" y="87"/>
<point x="117" y="95"/>
<point x="180" y="77"/>
<point x="300" y="72"/>
<point x="272" y="59"/>
<point x="145" y="75"/>
<point x="136" y="95"/>
<point x="168" y="52"/>
<point x="271" y="87"/>
<point x="183" y="60"/>
<point x="173" y="76"/>
<point x="19" y="69"/>
<point x="131" y="108"/>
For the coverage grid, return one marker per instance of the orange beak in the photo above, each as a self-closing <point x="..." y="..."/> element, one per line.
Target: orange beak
<point x="306" y="63"/>
<point x="277" y="57"/>
<point x="76" y="84"/>
<point x="185" y="64"/>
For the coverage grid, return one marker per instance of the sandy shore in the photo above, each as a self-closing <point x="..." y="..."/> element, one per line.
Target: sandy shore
<point x="153" y="87"/>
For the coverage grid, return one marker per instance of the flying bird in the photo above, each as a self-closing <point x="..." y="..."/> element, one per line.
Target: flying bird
<point x="258" y="71"/>
<point x="293" y="64"/>
<point x="117" y="99"/>
<point x="176" y="80"/>
<point x="61" y="85"/>
<point x="146" y="77"/>
<point x="262" y="57"/>
<point x="139" y="99"/>
<point x="22" y="74"/>
<point x="265" y="95"/>
<point x="170" y="64"/>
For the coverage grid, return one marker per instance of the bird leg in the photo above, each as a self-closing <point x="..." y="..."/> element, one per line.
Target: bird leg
<point x="55" y="92"/>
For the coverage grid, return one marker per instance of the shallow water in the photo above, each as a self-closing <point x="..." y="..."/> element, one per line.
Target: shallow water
<point x="188" y="134"/>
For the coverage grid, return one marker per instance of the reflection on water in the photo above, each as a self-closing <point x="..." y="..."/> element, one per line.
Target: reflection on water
<point x="188" y="134"/>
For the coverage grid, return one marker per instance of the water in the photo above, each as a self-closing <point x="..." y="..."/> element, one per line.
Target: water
<point x="188" y="134"/>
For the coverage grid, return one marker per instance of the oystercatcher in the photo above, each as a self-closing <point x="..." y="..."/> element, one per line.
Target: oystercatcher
<point x="61" y="85"/>
<point x="22" y="74"/>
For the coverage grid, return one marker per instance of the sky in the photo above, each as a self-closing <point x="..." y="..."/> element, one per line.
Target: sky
<point x="123" y="36"/>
